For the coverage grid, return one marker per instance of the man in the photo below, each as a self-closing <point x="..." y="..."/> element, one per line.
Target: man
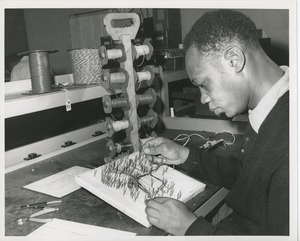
<point x="225" y="60"/>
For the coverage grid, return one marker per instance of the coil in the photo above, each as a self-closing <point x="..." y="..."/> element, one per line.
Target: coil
<point x="114" y="53"/>
<point x="145" y="99"/>
<point x="118" y="148"/>
<point x="144" y="75"/>
<point x="146" y="120"/>
<point x="141" y="50"/>
<point x="119" y="103"/>
<point x="40" y="71"/>
<point x="117" y="78"/>
<point x="120" y="125"/>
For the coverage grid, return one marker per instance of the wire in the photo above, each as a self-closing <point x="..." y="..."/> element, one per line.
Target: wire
<point x="140" y="83"/>
<point x="187" y="137"/>
<point x="139" y="65"/>
<point x="226" y="142"/>
<point x="210" y="142"/>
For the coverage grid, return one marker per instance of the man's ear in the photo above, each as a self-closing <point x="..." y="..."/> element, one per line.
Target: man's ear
<point x="235" y="58"/>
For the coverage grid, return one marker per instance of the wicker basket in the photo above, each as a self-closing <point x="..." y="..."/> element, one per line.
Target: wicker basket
<point x="86" y="66"/>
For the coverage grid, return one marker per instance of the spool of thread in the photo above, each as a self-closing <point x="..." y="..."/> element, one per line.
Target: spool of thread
<point x="121" y="147"/>
<point x="114" y="53"/>
<point x="144" y="75"/>
<point x="146" y="120"/>
<point x="41" y="79"/>
<point x="145" y="99"/>
<point x="120" y="125"/>
<point x="141" y="50"/>
<point x="119" y="103"/>
<point x="117" y="78"/>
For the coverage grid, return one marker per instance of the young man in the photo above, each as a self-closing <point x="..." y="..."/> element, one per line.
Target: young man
<point x="225" y="60"/>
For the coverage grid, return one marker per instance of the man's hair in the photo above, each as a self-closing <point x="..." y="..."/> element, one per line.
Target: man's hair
<point x="214" y="30"/>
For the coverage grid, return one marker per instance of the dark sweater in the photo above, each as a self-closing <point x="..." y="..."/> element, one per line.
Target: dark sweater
<point x="258" y="180"/>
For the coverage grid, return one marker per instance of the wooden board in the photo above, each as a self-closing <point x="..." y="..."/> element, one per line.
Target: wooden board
<point x="116" y="183"/>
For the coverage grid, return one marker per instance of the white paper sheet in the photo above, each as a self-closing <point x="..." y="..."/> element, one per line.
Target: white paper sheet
<point x="59" y="228"/>
<point x="59" y="184"/>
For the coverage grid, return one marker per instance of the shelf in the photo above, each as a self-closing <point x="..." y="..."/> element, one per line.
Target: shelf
<point x="16" y="103"/>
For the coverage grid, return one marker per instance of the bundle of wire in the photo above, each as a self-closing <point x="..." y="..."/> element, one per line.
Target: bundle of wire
<point x="210" y="142"/>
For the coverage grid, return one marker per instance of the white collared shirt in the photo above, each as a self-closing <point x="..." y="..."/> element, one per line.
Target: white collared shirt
<point x="265" y="105"/>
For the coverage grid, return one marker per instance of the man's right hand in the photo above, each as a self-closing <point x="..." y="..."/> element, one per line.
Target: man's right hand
<point x="165" y="151"/>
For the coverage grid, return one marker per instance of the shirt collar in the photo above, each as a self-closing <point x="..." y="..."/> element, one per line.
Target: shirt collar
<point x="265" y="105"/>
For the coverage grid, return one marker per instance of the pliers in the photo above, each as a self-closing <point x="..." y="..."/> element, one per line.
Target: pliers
<point x="33" y="216"/>
<point x="44" y="210"/>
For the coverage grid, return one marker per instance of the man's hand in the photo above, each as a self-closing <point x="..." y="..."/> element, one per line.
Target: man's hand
<point x="165" y="151"/>
<point x="169" y="215"/>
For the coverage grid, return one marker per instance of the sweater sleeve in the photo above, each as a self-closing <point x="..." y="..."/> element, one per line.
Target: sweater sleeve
<point x="215" y="169"/>
<point x="201" y="227"/>
<point x="278" y="206"/>
<point x="278" y="212"/>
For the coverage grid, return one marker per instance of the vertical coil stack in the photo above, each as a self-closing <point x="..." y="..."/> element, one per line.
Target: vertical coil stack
<point x="124" y="83"/>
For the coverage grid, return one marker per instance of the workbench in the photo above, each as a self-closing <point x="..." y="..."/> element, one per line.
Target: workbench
<point x="82" y="206"/>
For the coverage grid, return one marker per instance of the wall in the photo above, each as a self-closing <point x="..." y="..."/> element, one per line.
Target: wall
<point x="15" y="32"/>
<point x="274" y="22"/>
<point x="50" y="29"/>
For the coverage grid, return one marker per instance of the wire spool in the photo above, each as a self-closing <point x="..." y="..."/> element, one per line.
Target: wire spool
<point x="41" y="79"/>
<point x="115" y="126"/>
<point x="144" y="75"/>
<point x="120" y="125"/>
<point x="109" y="104"/>
<point x="145" y="99"/>
<point x="146" y="120"/>
<point x="119" y="103"/>
<point x="114" y="53"/>
<point x="150" y="119"/>
<point x="86" y="66"/>
<point x="141" y="50"/>
<point x="117" y="78"/>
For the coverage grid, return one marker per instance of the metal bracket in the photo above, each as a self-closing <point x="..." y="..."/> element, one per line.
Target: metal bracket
<point x="68" y="143"/>
<point x="31" y="156"/>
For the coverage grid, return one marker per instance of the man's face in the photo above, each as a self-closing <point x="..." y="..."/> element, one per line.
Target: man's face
<point x="221" y="87"/>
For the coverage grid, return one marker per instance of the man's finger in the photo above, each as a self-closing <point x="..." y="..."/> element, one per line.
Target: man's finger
<point x="152" y="150"/>
<point x="152" y="212"/>
<point x="158" y="200"/>
<point x="159" y="160"/>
